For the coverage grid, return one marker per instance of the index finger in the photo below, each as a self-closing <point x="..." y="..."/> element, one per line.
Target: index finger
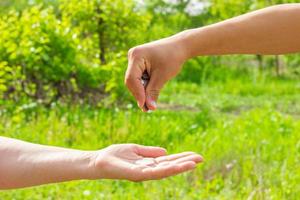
<point x="133" y="80"/>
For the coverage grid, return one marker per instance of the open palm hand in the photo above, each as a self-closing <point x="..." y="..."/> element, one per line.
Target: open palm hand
<point x="139" y="163"/>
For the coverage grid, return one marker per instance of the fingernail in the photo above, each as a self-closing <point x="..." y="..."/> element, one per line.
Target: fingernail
<point x="139" y="104"/>
<point x="153" y="103"/>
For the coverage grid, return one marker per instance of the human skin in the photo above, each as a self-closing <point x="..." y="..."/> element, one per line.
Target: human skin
<point x="24" y="164"/>
<point x="270" y="31"/>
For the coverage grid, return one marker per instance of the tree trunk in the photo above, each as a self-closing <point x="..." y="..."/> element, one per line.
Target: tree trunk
<point x="101" y="36"/>
<point x="279" y="65"/>
<point x="260" y="62"/>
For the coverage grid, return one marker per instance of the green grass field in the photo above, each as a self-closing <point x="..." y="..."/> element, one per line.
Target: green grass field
<point x="248" y="133"/>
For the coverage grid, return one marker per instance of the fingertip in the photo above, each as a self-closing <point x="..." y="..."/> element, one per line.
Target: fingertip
<point x="189" y="165"/>
<point x="140" y="98"/>
<point x="193" y="165"/>
<point x="199" y="159"/>
<point x="151" y="104"/>
<point x="163" y="151"/>
<point x="140" y="104"/>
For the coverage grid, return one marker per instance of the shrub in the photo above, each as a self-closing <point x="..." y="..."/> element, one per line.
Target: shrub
<point x="74" y="52"/>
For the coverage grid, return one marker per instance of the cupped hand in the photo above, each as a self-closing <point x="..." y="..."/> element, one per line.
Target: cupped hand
<point x="162" y="60"/>
<point x="140" y="163"/>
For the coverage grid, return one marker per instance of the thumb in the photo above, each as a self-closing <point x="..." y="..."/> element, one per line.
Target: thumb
<point x="153" y="89"/>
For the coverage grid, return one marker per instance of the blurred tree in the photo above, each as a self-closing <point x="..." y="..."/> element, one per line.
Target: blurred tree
<point x="60" y="51"/>
<point x="115" y="25"/>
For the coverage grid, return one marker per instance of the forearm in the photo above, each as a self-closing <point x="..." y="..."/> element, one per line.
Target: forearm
<point x="274" y="30"/>
<point x="24" y="164"/>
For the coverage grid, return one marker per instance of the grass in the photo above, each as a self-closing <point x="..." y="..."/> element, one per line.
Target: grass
<point x="248" y="133"/>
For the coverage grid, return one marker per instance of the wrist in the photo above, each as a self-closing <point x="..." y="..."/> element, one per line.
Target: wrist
<point x="195" y="42"/>
<point x="89" y="168"/>
<point x="180" y="44"/>
<point x="96" y="165"/>
<point x="181" y="40"/>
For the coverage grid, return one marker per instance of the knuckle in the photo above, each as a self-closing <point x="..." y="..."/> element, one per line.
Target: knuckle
<point x="134" y="52"/>
<point x="153" y="92"/>
<point x="128" y="80"/>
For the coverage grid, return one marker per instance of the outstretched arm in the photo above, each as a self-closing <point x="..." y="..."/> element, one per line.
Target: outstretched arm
<point x="25" y="164"/>
<point x="273" y="30"/>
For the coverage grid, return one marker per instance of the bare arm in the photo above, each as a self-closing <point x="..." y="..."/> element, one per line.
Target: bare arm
<point x="25" y="164"/>
<point x="273" y="30"/>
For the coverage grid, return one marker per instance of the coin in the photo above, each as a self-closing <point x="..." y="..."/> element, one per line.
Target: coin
<point x="146" y="162"/>
<point x="145" y="80"/>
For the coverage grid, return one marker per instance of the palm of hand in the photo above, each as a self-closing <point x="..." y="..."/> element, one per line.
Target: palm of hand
<point x="139" y="163"/>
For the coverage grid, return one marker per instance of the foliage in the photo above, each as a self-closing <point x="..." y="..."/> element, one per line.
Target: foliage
<point x="64" y="53"/>
<point x="75" y="51"/>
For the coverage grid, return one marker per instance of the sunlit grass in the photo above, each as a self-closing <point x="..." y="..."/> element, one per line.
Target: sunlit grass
<point x="250" y="142"/>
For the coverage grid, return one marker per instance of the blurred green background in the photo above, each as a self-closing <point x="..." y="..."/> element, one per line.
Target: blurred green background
<point x="62" y="64"/>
